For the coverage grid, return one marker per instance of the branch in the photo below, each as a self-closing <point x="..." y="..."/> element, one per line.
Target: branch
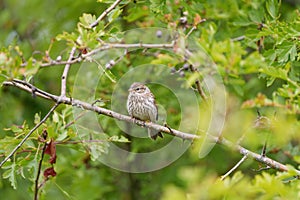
<point x="234" y="168"/>
<point x="36" y="189"/>
<point x="65" y="73"/>
<point x="30" y="132"/>
<point x="68" y="65"/>
<point x="198" y="86"/>
<point x="104" y="47"/>
<point x="197" y="81"/>
<point x="107" y="46"/>
<point x="74" y="102"/>
<point x="108" y="10"/>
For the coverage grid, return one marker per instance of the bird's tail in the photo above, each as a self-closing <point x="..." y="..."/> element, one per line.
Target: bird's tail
<point x="154" y="133"/>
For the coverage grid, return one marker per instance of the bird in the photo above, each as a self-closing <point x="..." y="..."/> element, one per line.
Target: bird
<point x="141" y="105"/>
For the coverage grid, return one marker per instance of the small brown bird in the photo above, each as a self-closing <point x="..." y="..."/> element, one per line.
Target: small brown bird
<point x="141" y="105"/>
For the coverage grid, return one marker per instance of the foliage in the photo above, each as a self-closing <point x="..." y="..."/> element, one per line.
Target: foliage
<point x="254" y="44"/>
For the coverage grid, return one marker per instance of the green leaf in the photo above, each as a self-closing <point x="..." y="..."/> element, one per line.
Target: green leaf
<point x="10" y="175"/>
<point x="114" y="14"/>
<point x="272" y="7"/>
<point x="37" y="118"/>
<point x="286" y="52"/>
<point x="118" y="139"/>
<point x="274" y="72"/>
<point x="256" y="15"/>
<point x="31" y="69"/>
<point x="55" y="117"/>
<point x="86" y="20"/>
<point x="2" y="78"/>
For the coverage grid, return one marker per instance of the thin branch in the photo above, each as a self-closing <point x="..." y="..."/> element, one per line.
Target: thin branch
<point x="86" y="106"/>
<point x="71" y="57"/>
<point x="107" y="46"/>
<point x="30" y="132"/>
<point x="108" y="10"/>
<point x="198" y="86"/>
<point x="81" y="141"/>
<point x="65" y="74"/>
<point x="197" y="81"/>
<point x="234" y="168"/>
<point x="63" y="62"/>
<point x="238" y="38"/>
<point x="36" y="190"/>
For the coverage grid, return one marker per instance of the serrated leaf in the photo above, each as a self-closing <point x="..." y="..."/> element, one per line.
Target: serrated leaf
<point x="86" y="20"/>
<point x="275" y="72"/>
<point x="114" y="14"/>
<point x="287" y="52"/>
<point x="10" y="175"/>
<point x="272" y="7"/>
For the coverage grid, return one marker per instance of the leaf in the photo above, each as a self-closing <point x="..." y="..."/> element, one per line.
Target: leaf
<point x="31" y="69"/>
<point x="49" y="172"/>
<point x="10" y="174"/>
<point x="256" y="16"/>
<point x="51" y="150"/>
<point x="272" y="7"/>
<point x="86" y="20"/>
<point x="108" y="73"/>
<point x="287" y="51"/>
<point x="55" y="117"/>
<point x="37" y="118"/>
<point x="2" y="78"/>
<point x="114" y="14"/>
<point x="274" y="72"/>
<point x="118" y="139"/>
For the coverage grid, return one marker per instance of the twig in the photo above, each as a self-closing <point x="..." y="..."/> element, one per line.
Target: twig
<point x="198" y="86"/>
<point x="108" y="10"/>
<point x="262" y="168"/>
<point x="36" y="190"/>
<point x="81" y="141"/>
<point x="71" y="57"/>
<point x="65" y="73"/>
<point x="234" y="168"/>
<point x="107" y="46"/>
<point x="84" y="105"/>
<point x="28" y="134"/>
<point x="197" y="82"/>
<point x="73" y="121"/>
<point x="238" y="38"/>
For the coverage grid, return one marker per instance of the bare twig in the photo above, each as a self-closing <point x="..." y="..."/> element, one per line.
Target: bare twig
<point x="30" y="132"/>
<point x="238" y="38"/>
<point x="65" y="73"/>
<point x="107" y="46"/>
<point x="36" y="190"/>
<point x="234" y="168"/>
<point x="84" y="105"/>
<point x="198" y="86"/>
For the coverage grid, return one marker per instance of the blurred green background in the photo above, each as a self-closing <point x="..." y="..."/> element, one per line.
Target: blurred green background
<point x="33" y="26"/>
